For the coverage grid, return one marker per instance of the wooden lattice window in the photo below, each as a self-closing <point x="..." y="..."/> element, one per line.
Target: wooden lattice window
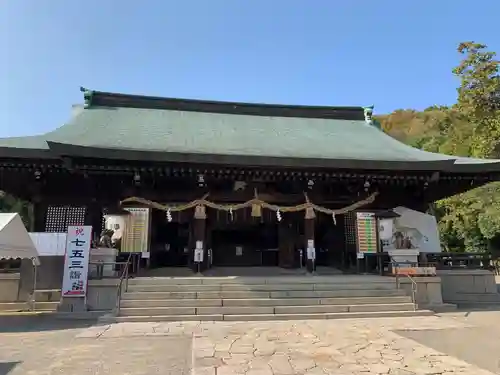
<point x="60" y="217"/>
<point x="350" y="228"/>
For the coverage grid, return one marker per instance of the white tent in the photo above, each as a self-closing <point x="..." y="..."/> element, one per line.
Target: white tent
<point x="421" y="226"/>
<point x="15" y="241"/>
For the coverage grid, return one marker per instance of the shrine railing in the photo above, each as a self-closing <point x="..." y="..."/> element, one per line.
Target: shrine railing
<point x="123" y="284"/>
<point x="106" y="270"/>
<point x="450" y="261"/>
<point x="414" y="284"/>
<point x="381" y="263"/>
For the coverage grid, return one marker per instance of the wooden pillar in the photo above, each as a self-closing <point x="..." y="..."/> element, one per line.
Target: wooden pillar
<point x="39" y="216"/>
<point x="39" y="208"/>
<point x="93" y="217"/>
<point x="285" y="244"/>
<point x="199" y="229"/>
<point x="93" y="210"/>
<point x="281" y="245"/>
<point x="309" y="225"/>
<point x="208" y="245"/>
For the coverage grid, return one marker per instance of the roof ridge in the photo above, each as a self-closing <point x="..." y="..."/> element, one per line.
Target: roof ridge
<point x="109" y="99"/>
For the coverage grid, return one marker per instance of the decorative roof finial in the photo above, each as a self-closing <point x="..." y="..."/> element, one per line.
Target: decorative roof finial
<point x="368" y="111"/>
<point x="87" y="96"/>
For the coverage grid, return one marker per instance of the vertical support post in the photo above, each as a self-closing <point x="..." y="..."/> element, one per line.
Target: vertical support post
<point x="208" y="253"/>
<point x="309" y="236"/>
<point x="93" y="217"/>
<point x="285" y="244"/>
<point x="282" y="238"/>
<point x="40" y="214"/>
<point x="199" y="230"/>
<point x="32" y="301"/>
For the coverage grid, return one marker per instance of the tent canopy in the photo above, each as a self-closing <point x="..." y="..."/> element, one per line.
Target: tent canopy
<point x="15" y="241"/>
<point x="423" y="227"/>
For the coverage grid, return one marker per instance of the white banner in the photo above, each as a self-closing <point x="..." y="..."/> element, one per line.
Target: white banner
<point x="76" y="261"/>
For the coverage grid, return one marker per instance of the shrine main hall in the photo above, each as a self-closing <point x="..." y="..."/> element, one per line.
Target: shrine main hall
<point x="249" y="184"/>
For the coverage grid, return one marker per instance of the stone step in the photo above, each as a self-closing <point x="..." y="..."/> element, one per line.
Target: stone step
<point x="186" y="302"/>
<point x="266" y="317"/>
<point x="13" y="306"/>
<point x="461" y="298"/>
<point x="24" y="306"/>
<point x="249" y="310"/>
<point x="262" y="294"/>
<point x="248" y="280"/>
<point x="258" y="287"/>
<point x="48" y="295"/>
<point x="213" y="302"/>
<point x="46" y="306"/>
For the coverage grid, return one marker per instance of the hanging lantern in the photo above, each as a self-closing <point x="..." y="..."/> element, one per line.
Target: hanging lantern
<point x="231" y="214"/>
<point x="169" y="216"/>
<point x="278" y="215"/>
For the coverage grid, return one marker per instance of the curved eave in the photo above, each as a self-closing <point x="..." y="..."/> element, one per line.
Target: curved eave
<point x="483" y="167"/>
<point x="63" y="149"/>
<point x="26" y="153"/>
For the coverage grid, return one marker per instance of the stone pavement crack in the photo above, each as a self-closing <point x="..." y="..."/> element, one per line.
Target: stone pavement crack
<point x="101" y="333"/>
<point x="358" y="347"/>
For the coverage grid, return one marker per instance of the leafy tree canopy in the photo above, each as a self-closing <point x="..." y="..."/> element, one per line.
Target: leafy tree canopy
<point x="471" y="127"/>
<point x="9" y="203"/>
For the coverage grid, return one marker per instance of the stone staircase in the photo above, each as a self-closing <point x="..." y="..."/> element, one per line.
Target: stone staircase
<point x="257" y="298"/>
<point x="11" y="307"/>
<point x="46" y="301"/>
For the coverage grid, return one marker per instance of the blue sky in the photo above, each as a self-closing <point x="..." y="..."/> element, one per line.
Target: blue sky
<point x="391" y="53"/>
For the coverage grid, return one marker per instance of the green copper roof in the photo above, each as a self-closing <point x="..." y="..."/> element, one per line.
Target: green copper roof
<point x="208" y="133"/>
<point x="214" y="133"/>
<point x="35" y="142"/>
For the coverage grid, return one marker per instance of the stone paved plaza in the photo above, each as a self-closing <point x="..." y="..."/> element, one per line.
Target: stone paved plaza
<point x="459" y="343"/>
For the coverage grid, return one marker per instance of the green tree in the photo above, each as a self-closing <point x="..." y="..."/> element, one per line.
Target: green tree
<point x="474" y="217"/>
<point x="479" y="97"/>
<point x="9" y="203"/>
<point x="471" y="127"/>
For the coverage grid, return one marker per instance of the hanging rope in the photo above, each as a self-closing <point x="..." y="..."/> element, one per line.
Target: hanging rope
<point x="251" y="203"/>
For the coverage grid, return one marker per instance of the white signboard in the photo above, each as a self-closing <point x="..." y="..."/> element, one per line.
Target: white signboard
<point x="239" y="251"/>
<point x="311" y="253"/>
<point x="364" y="215"/>
<point x="198" y="255"/>
<point x="76" y="261"/>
